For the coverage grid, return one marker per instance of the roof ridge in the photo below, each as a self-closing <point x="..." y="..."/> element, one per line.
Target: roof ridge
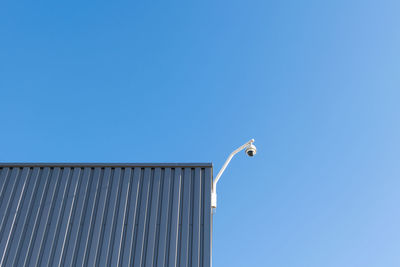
<point x="99" y="164"/>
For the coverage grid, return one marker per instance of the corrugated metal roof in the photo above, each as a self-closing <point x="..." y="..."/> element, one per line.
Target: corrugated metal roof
<point x="105" y="214"/>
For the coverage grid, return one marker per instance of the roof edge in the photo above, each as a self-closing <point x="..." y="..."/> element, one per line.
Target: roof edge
<point x="67" y="164"/>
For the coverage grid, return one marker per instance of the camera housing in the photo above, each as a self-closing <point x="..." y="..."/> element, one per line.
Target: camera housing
<point x="251" y="150"/>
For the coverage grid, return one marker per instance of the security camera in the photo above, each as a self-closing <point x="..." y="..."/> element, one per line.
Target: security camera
<point x="251" y="150"/>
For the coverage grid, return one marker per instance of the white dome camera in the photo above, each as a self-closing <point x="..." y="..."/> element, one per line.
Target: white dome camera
<point x="251" y="150"/>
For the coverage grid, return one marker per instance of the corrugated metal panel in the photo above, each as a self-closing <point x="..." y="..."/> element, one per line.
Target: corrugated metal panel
<point x="105" y="214"/>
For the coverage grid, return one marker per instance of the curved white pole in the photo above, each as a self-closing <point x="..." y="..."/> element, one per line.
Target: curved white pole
<point x="214" y="188"/>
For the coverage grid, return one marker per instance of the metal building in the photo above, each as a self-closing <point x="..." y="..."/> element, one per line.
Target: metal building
<point x="105" y="214"/>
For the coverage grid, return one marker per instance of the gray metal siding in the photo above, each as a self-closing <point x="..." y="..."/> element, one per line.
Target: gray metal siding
<point x="105" y="214"/>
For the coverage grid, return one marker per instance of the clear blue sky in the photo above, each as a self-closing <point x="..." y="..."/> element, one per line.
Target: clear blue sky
<point x="316" y="84"/>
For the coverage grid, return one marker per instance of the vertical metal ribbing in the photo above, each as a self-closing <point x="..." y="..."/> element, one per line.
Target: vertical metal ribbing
<point x="201" y="218"/>
<point x="140" y="237"/>
<point x="78" y="216"/>
<point x="158" y="221"/>
<point x="101" y="175"/>
<point x="87" y="218"/>
<point x="24" y="227"/>
<point x="174" y="223"/>
<point x="184" y="240"/>
<point x="114" y="210"/>
<point x="109" y="218"/>
<point x="44" y="215"/>
<point x="66" y="220"/>
<point x="152" y="223"/>
<point x="137" y="216"/>
<point x="10" y="245"/>
<point x="4" y="173"/>
<point x="102" y="241"/>
<point x="147" y="220"/>
<point x="122" y="204"/>
<point x="126" y="258"/>
<point x="39" y="207"/>
<point x="57" y="174"/>
<point x="169" y="217"/>
<point x="163" y="225"/>
<point x="6" y="207"/>
<point x="207" y="219"/>
<point x="4" y="181"/>
<point x="55" y="226"/>
<point x="105" y="216"/>
<point x="195" y="258"/>
<point x="191" y="210"/>
<point x="72" y="204"/>
<point x="180" y="218"/>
